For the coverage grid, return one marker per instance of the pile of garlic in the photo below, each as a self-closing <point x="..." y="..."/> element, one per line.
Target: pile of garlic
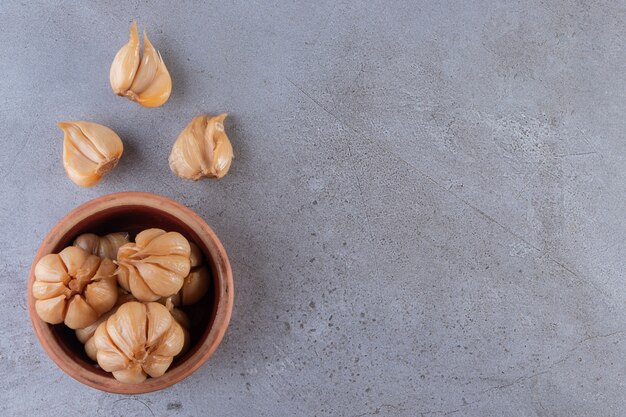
<point x="123" y="298"/>
<point x="91" y="150"/>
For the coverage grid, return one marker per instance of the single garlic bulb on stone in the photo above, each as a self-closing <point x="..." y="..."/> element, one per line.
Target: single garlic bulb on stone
<point x="138" y="340"/>
<point x="202" y="149"/>
<point x="90" y="151"/>
<point x="155" y="265"/>
<point x="104" y="246"/>
<point x="74" y="287"/>
<point x="143" y="80"/>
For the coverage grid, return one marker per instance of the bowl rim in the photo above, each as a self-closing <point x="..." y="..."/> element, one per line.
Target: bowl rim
<point x="224" y="297"/>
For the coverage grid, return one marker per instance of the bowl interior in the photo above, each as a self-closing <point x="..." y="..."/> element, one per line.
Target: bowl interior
<point x="133" y="219"/>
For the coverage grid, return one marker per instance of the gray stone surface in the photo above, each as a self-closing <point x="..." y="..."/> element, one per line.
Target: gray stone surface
<point x="425" y="216"/>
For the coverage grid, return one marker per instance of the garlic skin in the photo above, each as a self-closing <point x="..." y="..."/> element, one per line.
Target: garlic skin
<point x="144" y="80"/>
<point x="74" y="287"/>
<point x="85" y="335"/>
<point x="138" y="340"/>
<point x="155" y="265"/>
<point x="202" y="149"/>
<point x="103" y="246"/>
<point x="90" y="151"/>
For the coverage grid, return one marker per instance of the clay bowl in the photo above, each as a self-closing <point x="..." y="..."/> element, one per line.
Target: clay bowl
<point x="133" y="212"/>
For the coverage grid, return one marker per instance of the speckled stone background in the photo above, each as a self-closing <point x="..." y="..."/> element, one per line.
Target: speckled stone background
<point x="425" y="217"/>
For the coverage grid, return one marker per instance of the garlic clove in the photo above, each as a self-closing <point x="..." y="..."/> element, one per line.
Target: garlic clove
<point x="88" y="271"/>
<point x="89" y="242"/>
<point x="132" y="375"/>
<point x="191" y="154"/>
<point x="50" y="268"/>
<point x="156" y="365"/>
<point x="101" y="295"/>
<point x="171" y="342"/>
<point x="73" y="259"/>
<point x="159" y="280"/>
<point x="146" y="236"/>
<point x="159" y="322"/>
<point x="147" y="70"/>
<point x="202" y="149"/>
<point x="127" y="327"/>
<point x="110" y="244"/>
<point x="125" y="63"/>
<point x="159" y="91"/>
<point x="109" y="357"/>
<point x="139" y="288"/>
<point x="173" y="263"/>
<point x="171" y="243"/>
<point x="196" y="285"/>
<point x="104" y="246"/>
<point x="84" y="146"/>
<point x="79" y="313"/>
<point x="144" y="80"/>
<point x="196" y="255"/>
<point x="51" y="310"/>
<point x="81" y="178"/>
<point x="123" y="277"/>
<point x="223" y="149"/>
<point x="43" y="289"/>
<point x="90" y="349"/>
<point x="90" y="151"/>
<point x="105" y="141"/>
<point x="180" y="317"/>
<point x="85" y="335"/>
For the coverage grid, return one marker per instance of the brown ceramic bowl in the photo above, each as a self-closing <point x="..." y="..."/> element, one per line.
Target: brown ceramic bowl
<point x="133" y="212"/>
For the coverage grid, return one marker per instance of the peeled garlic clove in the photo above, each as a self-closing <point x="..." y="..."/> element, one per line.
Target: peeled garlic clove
<point x="90" y="151"/>
<point x="104" y="246"/>
<point x="202" y="149"/>
<point x="155" y="265"/>
<point x="125" y="64"/>
<point x="146" y="81"/>
<point x="74" y="287"/>
<point x="138" y="340"/>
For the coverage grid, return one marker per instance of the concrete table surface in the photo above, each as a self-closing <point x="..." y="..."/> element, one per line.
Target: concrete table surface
<point x="425" y="216"/>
